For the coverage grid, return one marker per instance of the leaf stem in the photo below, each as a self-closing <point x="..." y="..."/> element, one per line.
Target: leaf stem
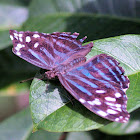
<point x="63" y="136"/>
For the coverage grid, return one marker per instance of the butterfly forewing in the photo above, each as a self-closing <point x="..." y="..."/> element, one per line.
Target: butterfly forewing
<point x="47" y="51"/>
<point x="100" y="86"/>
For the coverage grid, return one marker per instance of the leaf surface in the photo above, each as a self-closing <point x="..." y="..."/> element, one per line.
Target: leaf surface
<point x="52" y="112"/>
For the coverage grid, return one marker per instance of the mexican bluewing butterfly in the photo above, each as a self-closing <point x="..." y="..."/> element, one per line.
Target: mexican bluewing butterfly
<point x="99" y="83"/>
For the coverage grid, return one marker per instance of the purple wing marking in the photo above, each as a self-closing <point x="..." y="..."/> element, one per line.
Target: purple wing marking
<point x="100" y="85"/>
<point x="48" y="51"/>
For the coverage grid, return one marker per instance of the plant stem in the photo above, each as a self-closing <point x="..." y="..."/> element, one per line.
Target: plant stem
<point x="63" y="136"/>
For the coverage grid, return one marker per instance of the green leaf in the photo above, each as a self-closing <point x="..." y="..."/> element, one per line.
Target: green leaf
<point x="48" y="6"/>
<point x="41" y="135"/>
<point x="117" y="8"/>
<point x="132" y="127"/>
<point x="93" y="26"/>
<point x="4" y="39"/>
<point x="18" y="127"/>
<point x="79" y="136"/>
<point x="11" y="16"/>
<point x="52" y="112"/>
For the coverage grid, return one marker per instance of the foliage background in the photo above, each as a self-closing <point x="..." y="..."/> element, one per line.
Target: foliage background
<point x="97" y="19"/>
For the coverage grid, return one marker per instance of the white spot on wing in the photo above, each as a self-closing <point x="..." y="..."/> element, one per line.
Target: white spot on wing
<point x="110" y="111"/>
<point x="20" y="39"/>
<point x="11" y="37"/>
<point x="114" y="106"/>
<point x="126" y="118"/>
<point x="91" y="102"/>
<point x="117" y="108"/>
<point x="117" y="119"/>
<point x="110" y="99"/>
<point x="110" y="104"/>
<point x="102" y="113"/>
<point x="118" y="105"/>
<point x="16" y="35"/>
<point x="28" y="39"/>
<point x="36" y="35"/>
<point x="100" y="91"/>
<point x="36" y="45"/>
<point x="125" y="89"/>
<point x="96" y="101"/>
<point x="20" y="35"/>
<point x="23" y="45"/>
<point x="121" y="117"/>
<point x="82" y="100"/>
<point x="18" y="47"/>
<point x="18" y="53"/>
<point x="118" y="95"/>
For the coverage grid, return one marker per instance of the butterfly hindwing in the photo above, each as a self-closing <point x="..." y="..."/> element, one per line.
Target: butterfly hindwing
<point x="99" y="85"/>
<point x="47" y="51"/>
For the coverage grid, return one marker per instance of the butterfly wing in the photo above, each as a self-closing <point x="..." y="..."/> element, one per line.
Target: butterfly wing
<point x="100" y="86"/>
<point x="48" y="51"/>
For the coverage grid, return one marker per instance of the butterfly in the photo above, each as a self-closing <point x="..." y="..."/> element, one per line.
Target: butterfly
<point x="99" y="83"/>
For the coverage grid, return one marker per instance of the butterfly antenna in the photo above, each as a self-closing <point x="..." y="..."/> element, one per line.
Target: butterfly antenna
<point x="27" y="80"/>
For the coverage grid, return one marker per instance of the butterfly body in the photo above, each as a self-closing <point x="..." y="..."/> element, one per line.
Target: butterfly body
<point x="99" y="83"/>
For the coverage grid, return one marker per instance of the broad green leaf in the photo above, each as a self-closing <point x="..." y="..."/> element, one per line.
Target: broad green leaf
<point x="4" y="39"/>
<point x="11" y="16"/>
<point x="79" y="136"/>
<point x="15" y="2"/>
<point x="97" y="135"/>
<point x="19" y="127"/>
<point x="48" y="6"/>
<point x="52" y="112"/>
<point x="92" y="26"/>
<point x="132" y="127"/>
<point x="41" y="135"/>
<point x="116" y="7"/>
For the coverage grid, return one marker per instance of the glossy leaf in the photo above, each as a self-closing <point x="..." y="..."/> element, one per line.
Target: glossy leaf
<point x="16" y="127"/>
<point x="73" y="117"/>
<point x="19" y="127"/>
<point x="118" y="8"/>
<point x="4" y="39"/>
<point x="92" y="26"/>
<point x="56" y="111"/>
<point x="11" y="16"/>
<point x="40" y="135"/>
